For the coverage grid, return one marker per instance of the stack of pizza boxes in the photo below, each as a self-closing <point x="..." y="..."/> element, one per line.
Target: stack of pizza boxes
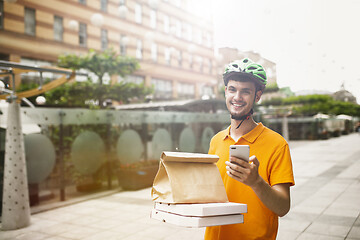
<point x="188" y="191"/>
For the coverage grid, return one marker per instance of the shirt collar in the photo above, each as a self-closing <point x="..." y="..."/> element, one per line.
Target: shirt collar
<point x="250" y="136"/>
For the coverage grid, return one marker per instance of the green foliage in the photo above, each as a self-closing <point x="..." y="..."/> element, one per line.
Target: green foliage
<point x="222" y="91"/>
<point x="313" y="104"/>
<point x="100" y="63"/>
<point x="273" y="87"/>
<point x="275" y="101"/>
<point x="85" y="94"/>
<point x="28" y="83"/>
<point x="307" y="99"/>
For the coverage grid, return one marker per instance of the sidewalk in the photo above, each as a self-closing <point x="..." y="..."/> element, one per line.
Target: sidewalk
<point x="325" y="204"/>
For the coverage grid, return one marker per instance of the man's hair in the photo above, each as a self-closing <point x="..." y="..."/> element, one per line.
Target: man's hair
<point x="247" y="78"/>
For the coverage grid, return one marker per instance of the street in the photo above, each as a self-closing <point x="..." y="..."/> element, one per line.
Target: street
<point x="325" y="204"/>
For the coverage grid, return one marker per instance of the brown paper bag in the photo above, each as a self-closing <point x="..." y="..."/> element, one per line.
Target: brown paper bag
<point x="188" y="178"/>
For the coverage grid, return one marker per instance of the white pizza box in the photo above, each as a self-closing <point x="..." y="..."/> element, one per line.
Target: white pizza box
<point x="202" y="209"/>
<point x="196" y="222"/>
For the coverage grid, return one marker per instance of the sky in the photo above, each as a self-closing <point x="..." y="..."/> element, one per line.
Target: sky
<point x="314" y="43"/>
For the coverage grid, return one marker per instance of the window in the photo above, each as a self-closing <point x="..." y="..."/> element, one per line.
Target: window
<point x="191" y="61"/>
<point x="199" y="38"/>
<point x="201" y="64"/>
<point x="153" y="19"/>
<point x="180" y="58"/>
<point x="139" y="50"/>
<point x="132" y="79"/>
<point x="35" y="76"/>
<point x="166" y="24"/>
<point x="154" y="52"/>
<point x="189" y="32"/>
<point x="208" y="40"/>
<point x="138" y="13"/>
<point x="167" y="56"/>
<point x="178" y="28"/>
<point x="162" y="88"/>
<point x="58" y="28"/>
<point x="123" y="43"/>
<point x="82" y="35"/>
<point x="30" y="21"/>
<point x="104" y="39"/>
<point x="103" y="5"/>
<point x="207" y="91"/>
<point x="210" y="66"/>
<point x="1" y="14"/>
<point x="83" y="2"/>
<point x="185" y="89"/>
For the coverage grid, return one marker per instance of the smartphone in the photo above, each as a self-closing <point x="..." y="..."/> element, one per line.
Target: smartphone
<point x="240" y="151"/>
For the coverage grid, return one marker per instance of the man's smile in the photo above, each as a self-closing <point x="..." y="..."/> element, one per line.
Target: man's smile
<point x="238" y="104"/>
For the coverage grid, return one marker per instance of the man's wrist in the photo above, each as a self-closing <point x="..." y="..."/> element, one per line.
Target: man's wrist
<point x="258" y="184"/>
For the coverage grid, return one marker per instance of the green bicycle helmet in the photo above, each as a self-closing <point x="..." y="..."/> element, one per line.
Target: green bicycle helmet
<point x="245" y="69"/>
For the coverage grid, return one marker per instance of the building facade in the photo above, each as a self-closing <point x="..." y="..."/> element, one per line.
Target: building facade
<point x="173" y="45"/>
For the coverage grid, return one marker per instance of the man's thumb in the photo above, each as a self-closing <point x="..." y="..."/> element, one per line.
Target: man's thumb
<point x="254" y="160"/>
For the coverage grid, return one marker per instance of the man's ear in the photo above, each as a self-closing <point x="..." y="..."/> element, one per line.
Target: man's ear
<point x="258" y="95"/>
<point x="225" y="91"/>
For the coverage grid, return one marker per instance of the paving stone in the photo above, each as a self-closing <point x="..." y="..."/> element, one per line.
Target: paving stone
<point x="336" y="220"/>
<point x="354" y="232"/>
<point x="313" y="236"/>
<point x="328" y="229"/>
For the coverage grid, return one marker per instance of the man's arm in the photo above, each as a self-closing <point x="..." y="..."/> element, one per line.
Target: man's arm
<point x="276" y="198"/>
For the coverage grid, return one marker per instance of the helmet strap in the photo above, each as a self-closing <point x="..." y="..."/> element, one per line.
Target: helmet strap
<point x="243" y="118"/>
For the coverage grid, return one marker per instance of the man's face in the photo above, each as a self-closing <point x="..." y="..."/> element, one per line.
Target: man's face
<point x="240" y="97"/>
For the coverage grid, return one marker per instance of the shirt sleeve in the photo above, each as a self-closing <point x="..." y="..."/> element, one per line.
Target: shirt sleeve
<point x="281" y="168"/>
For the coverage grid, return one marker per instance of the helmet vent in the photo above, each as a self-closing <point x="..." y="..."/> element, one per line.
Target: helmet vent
<point x="235" y="65"/>
<point x="245" y="60"/>
<point x="262" y="76"/>
<point x="251" y="68"/>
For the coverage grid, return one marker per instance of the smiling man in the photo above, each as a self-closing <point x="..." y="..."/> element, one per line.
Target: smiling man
<point x="264" y="182"/>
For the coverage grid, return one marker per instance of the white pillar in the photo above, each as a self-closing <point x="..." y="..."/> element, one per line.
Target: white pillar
<point x="15" y="208"/>
<point x="285" y="128"/>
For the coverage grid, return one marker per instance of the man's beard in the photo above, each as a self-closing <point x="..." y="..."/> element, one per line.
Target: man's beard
<point x="241" y="116"/>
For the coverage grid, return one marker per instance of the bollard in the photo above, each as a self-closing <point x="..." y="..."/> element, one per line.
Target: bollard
<point x="15" y="208"/>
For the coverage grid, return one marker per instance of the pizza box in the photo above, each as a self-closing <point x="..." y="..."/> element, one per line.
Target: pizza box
<point x="196" y="222"/>
<point x="202" y="209"/>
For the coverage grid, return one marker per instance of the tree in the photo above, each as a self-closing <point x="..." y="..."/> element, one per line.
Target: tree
<point x="271" y="87"/>
<point x="100" y="63"/>
<point x="87" y="94"/>
<point x="82" y="94"/>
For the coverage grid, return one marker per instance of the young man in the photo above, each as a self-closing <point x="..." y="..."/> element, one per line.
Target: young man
<point x="264" y="182"/>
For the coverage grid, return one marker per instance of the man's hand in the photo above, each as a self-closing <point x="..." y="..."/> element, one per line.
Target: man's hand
<point x="244" y="171"/>
<point x="276" y="198"/>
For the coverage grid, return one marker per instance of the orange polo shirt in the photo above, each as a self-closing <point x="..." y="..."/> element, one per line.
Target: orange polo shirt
<point x="273" y="153"/>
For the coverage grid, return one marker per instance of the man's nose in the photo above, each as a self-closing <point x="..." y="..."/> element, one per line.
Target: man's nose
<point x="238" y="96"/>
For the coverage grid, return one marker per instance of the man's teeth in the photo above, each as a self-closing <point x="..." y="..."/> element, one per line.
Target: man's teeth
<point x="238" y="105"/>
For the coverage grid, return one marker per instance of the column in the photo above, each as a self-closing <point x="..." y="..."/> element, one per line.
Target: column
<point x="15" y="208"/>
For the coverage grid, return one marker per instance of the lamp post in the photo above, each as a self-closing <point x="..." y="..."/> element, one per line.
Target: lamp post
<point x="15" y="205"/>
